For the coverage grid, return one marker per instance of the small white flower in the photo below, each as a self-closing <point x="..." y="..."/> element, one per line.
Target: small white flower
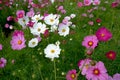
<point x="33" y="42"/>
<point x="52" y="51"/>
<point x="57" y="43"/>
<point x="52" y="1"/>
<point x="72" y="15"/>
<point x="38" y="28"/>
<point x="52" y="19"/>
<point x="63" y="30"/>
<point x="23" y="21"/>
<point x="53" y="28"/>
<point x="36" y="18"/>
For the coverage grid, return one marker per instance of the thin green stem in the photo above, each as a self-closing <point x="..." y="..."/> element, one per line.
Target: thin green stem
<point x="41" y="74"/>
<point x="55" y="69"/>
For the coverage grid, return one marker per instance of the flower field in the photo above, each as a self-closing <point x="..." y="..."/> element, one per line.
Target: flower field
<point x="59" y="40"/>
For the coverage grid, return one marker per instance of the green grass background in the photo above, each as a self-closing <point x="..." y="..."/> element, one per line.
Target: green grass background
<point x="31" y="64"/>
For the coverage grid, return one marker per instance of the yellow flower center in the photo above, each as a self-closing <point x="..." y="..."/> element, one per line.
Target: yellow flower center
<point x="73" y="76"/>
<point x="19" y="42"/>
<point x="110" y="54"/>
<point x="51" y="20"/>
<point x="39" y="29"/>
<point x="52" y="51"/>
<point x="33" y="43"/>
<point x="63" y="30"/>
<point x="102" y="35"/>
<point x="90" y="43"/>
<point x="96" y="72"/>
<point x="37" y="18"/>
<point x="86" y="66"/>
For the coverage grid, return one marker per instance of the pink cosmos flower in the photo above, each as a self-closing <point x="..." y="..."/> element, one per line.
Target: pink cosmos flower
<point x="30" y="13"/>
<point x="84" y="15"/>
<point x="96" y="2"/>
<point x="97" y="72"/>
<point x="71" y="75"/>
<point x="65" y="21"/>
<point x="10" y="18"/>
<point x="0" y="47"/>
<point x="90" y="41"/>
<point x="87" y="2"/>
<point x="7" y="25"/>
<point x="115" y="77"/>
<point x="60" y="8"/>
<point x="79" y="4"/>
<point x="3" y="62"/>
<point x="103" y="34"/>
<point x="84" y="65"/>
<point x="63" y="11"/>
<point x="91" y="23"/>
<point x="18" y="40"/>
<point x="20" y="13"/>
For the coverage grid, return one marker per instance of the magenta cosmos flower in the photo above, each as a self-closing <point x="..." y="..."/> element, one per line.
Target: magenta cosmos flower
<point x="103" y="34"/>
<point x="115" y="77"/>
<point x="97" y="72"/>
<point x="3" y="62"/>
<point x="20" y="13"/>
<point x="84" y="65"/>
<point x="90" y="41"/>
<point x="18" y="40"/>
<point x="71" y="75"/>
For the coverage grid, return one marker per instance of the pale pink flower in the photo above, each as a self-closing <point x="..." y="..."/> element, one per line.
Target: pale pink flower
<point x="79" y="4"/>
<point x="60" y="8"/>
<point x="96" y="2"/>
<point x="87" y="2"/>
<point x="91" y="23"/>
<point x="84" y="65"/>
<point x="63" y="11"/>
<point x="30" y="13"/>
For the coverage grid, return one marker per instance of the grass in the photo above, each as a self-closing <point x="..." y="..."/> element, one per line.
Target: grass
<point x="31" y="64"/>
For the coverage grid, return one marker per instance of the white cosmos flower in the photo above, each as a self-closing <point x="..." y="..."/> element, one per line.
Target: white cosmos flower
<point x="52" y="51"/>
<point x="63" y="30"/>
<point x="38" y="28"/>
<point x="33" y="42"/>
<point x="23" y="21"/>
<point x="36" y="18"/>
<point x="52" y="19"/>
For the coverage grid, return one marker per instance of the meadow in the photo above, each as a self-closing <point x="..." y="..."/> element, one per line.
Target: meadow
<point x="31" y="62"/>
